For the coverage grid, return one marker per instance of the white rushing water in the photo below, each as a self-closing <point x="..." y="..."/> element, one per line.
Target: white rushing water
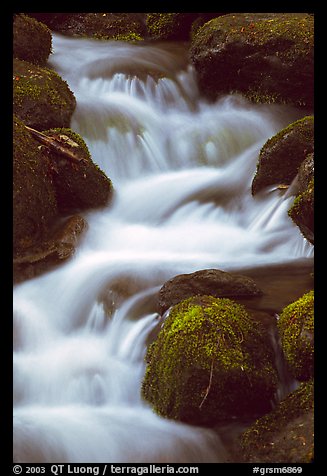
<point x="182" y="171"/>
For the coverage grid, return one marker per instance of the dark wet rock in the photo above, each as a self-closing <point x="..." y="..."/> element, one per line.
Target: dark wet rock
<point x="302" y="209"/>
<point x="281" y="156"/>
<point x="41" y="98"/>
<point x="210" y="362"/>
<point x="58" y="247"/>
<point x="34" y="199"/>
<point x="81" y="184"/>
<point x="212" y="282"/>
<point x="266" y="56"/>
<point x="286" y="435"/>
<point x="116" y="26"/>
<point x="31" y="40"/>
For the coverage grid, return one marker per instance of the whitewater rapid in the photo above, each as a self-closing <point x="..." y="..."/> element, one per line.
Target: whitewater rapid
<point x="182" y="170"/>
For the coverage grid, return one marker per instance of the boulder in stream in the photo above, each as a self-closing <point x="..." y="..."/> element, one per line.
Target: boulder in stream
<point x="81" y="184"/>
<point x="266" y="56"/>
<point x="41" y="98"/>
<point x="285" y="435"/>
<point x="31" y="40"/>
<point x="210" y="362"/>
<point x="213" y="282"/>
<point x="282" y="155"/>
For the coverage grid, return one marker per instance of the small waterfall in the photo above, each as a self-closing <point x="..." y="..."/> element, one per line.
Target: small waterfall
<point x="182" y="171"/>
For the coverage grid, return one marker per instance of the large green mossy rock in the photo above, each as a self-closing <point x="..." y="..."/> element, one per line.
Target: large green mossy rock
<point x="281" y="156"/>
<point x="296" y="329"/>
<point x="34" y="199"/>
<point x="81" y="184"/>
<point x="210" y="362"/>
<point x="266" y="56"/>
<point x="41" y="98"/>
<point x="31" y="40"/>
<point x="286" y="435"/>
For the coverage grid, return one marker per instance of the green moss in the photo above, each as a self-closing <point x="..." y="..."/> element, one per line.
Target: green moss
<point x="260" y="442"/>
<point x="302" y="212"/>
<point x="40" y="97"/>
<point x="31" y="40"/>
<point x="281" y="156"/>
<point x="208" y="363"/>
<point x="34" y="201"/>
<point x="296" y="328"/>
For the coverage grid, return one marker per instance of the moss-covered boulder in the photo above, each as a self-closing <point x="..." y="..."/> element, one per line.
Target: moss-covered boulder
<point x="281" y="156"/>
<point x="116" y="26"/>
<point x="81" y="184"/>
<point x="266" y="56"/>
<point x="34" y="199"/>
<point x="296" y="329"/>
<point x="286" y="435"/>
<point x="31" y="40"/>
<point x="302" y="209"/>
<point x="41" y="98"/>
<point x="210" y="362"/>
<point x="213" y="282"/>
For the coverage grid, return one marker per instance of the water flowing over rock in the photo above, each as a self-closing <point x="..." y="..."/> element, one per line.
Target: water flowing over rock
<point x="182" y="170"/>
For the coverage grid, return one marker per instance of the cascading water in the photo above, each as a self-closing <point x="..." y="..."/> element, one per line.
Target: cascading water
<point x="182" y="172"/>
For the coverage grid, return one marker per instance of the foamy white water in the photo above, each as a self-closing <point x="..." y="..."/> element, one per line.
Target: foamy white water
<point x="182" y="172"/>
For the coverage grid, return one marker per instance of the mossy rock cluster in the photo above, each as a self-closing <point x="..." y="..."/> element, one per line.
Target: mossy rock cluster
<point x="31" y="40"/>
<point x="285" y="435"/>
<point x="170" y="26"/>
<point x="296" y="329"/>
<point x="281" y="156"/>
<point x="41" y="98"/>
<point x="210" y="362"/>
<point x="268" y="57"/>
<point x="106" y="26"/>
<point x="34" y="199"/>
<point x="79" y="185"/>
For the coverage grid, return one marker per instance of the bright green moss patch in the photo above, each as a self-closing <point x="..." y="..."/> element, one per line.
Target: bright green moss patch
<point x="31" y="40"/>
<point x="210" y="362"/>
<point x="296" y="328"/>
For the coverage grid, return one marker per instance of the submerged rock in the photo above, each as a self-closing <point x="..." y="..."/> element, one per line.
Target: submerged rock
<point x="281" y="156"/>
<point x="296" y="329"/>
<point x="210" y="362"/>
<point x="41" y="99"/>
<point x="286" y="435"/>
<point x="213" y="282"/>
<point x="266" y="56"/>
<point x="31" y="40"/>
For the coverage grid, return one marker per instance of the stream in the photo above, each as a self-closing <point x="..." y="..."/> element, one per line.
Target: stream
<point x="182" y="170"/>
